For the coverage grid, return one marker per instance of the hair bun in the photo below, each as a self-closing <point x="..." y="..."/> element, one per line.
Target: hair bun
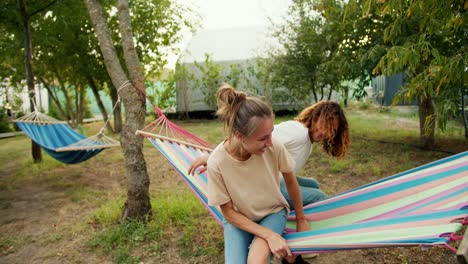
<point x="226" y="94"/>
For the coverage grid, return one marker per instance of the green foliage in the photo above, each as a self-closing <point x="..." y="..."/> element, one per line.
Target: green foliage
<point x="210" y="79"/>
<point x="66" y="51"/>
<point x="234" y="75"/>
<point x="323" y="44"/>
<point x="182" y="77"/>
<point x="162" y="93"/>
<point x="427" y="40"/>
<point x="54" y="112"/>
<point x="4" y="121"/>
<point x="157" y="25"/>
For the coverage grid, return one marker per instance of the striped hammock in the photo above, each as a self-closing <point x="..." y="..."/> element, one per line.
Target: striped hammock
<point x="60" y="141"/>
<point x="426" y="206"/>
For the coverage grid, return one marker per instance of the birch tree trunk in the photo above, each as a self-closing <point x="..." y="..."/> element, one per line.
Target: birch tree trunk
<point x="138" y="202"/>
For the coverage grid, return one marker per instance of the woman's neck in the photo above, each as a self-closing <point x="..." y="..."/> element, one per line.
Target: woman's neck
<point x="234" y="147"/>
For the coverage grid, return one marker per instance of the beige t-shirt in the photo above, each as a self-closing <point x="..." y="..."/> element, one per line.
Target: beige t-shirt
<point x="251" y="185"/>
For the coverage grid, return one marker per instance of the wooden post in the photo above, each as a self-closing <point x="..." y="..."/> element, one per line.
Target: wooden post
<point x="462" y="252"/>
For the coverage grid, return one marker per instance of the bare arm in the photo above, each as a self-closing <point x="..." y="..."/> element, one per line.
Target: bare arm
<point x="277" y="243"/>
<point x="295" y="195"/>
<point x="198" y="162"/>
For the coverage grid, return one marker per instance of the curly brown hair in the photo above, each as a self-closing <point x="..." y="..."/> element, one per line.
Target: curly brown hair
<point x="336" y="142"/>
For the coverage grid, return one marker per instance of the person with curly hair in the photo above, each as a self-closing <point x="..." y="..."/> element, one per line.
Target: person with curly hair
<point x="321" y="123"/>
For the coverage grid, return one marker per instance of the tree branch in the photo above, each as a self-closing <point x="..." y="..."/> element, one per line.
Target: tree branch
<point x="42" y="8"/>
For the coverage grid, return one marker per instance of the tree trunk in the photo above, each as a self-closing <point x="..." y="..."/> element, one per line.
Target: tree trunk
<point x="426" y="122"/>
<point x="345" y="94"/>
<point x="79" y="104"/>
<point x="322" y="91"/>
<point x="35" y="149"/>
<point x="138" y="202"/>
<point x="68" y="105"/>
<point x="330" y="91"/>
<point x="314" y="93"/>
<point x="135" y="110"/>
<point x="95" y="90"/>
<point x="54" y="98"/>
<point x="117" y="111"/>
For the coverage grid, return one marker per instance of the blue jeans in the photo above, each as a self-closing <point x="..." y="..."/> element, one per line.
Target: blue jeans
<point x="237" y="241"/>
<point x="310" y="191"/>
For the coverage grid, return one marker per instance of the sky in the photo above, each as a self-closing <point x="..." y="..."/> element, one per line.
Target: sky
<point x="223" y="14"/>
<point x="236" y="13"/>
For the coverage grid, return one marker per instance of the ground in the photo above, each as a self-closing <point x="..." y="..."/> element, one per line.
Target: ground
<point x="47" y="218"/>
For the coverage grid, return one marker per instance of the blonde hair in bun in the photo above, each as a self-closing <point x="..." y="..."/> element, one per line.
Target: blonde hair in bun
<point x="239" y="111"/>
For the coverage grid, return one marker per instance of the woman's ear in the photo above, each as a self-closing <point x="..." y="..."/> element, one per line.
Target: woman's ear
<point x="238" y="135"/>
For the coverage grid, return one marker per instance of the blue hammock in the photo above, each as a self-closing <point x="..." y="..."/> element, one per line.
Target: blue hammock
<point x="63" y="143"/>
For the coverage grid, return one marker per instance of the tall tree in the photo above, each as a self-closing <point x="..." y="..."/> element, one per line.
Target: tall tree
<point x="138" y="202"/>
<point x="428" y="42"/>
<point x="26" y="20"/>
<point x="309" y="61"/>
<point x="128" y="77"/>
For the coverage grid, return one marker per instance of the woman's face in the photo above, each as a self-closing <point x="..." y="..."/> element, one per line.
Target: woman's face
<point x="319" y="130"/>
<point x="260" y="140"/>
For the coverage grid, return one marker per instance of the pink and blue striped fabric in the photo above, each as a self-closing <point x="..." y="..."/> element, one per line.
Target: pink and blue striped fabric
<point x="422" y="206"/>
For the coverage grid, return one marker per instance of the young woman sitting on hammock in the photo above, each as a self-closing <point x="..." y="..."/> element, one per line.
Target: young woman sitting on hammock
<point x="323" y="123"/>
<point x="243" y="179"/>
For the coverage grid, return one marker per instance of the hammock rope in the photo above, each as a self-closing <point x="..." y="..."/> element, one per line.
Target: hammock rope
<point x="165" y="129"/>
<point x="424" y="206"/>
<point x="37" y="117"/>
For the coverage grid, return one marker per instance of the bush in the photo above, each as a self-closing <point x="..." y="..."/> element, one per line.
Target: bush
<point x="17" y="115"/>
<point x="4" y="121"/>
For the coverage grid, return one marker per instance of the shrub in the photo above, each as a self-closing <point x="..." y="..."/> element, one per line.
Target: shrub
<point x="4" y="121"/>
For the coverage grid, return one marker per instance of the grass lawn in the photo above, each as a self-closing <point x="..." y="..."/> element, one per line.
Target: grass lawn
<point x="55" y="213"/>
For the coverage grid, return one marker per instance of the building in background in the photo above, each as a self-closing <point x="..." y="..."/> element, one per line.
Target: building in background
<point x="385" y="88"/>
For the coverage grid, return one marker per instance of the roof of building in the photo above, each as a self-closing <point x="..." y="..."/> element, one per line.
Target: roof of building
<point x="238" y="43"/>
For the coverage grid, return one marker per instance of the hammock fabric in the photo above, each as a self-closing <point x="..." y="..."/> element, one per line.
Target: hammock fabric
<point x="60" y="141"/>
<point x="423" y="206"/>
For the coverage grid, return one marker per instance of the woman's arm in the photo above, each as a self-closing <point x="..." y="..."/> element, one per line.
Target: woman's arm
<point x="295" y="195"/>
<point x="277" y="243"/>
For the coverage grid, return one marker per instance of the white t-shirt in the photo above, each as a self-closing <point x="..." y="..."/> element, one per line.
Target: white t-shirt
<point x="295" y="137"/>
<point x="252" y="185"/>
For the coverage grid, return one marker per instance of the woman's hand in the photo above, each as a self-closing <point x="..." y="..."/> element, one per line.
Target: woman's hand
<point x="198" y="162"/>
<point x="278" y="246"/>
<point x="302" y="225"/>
